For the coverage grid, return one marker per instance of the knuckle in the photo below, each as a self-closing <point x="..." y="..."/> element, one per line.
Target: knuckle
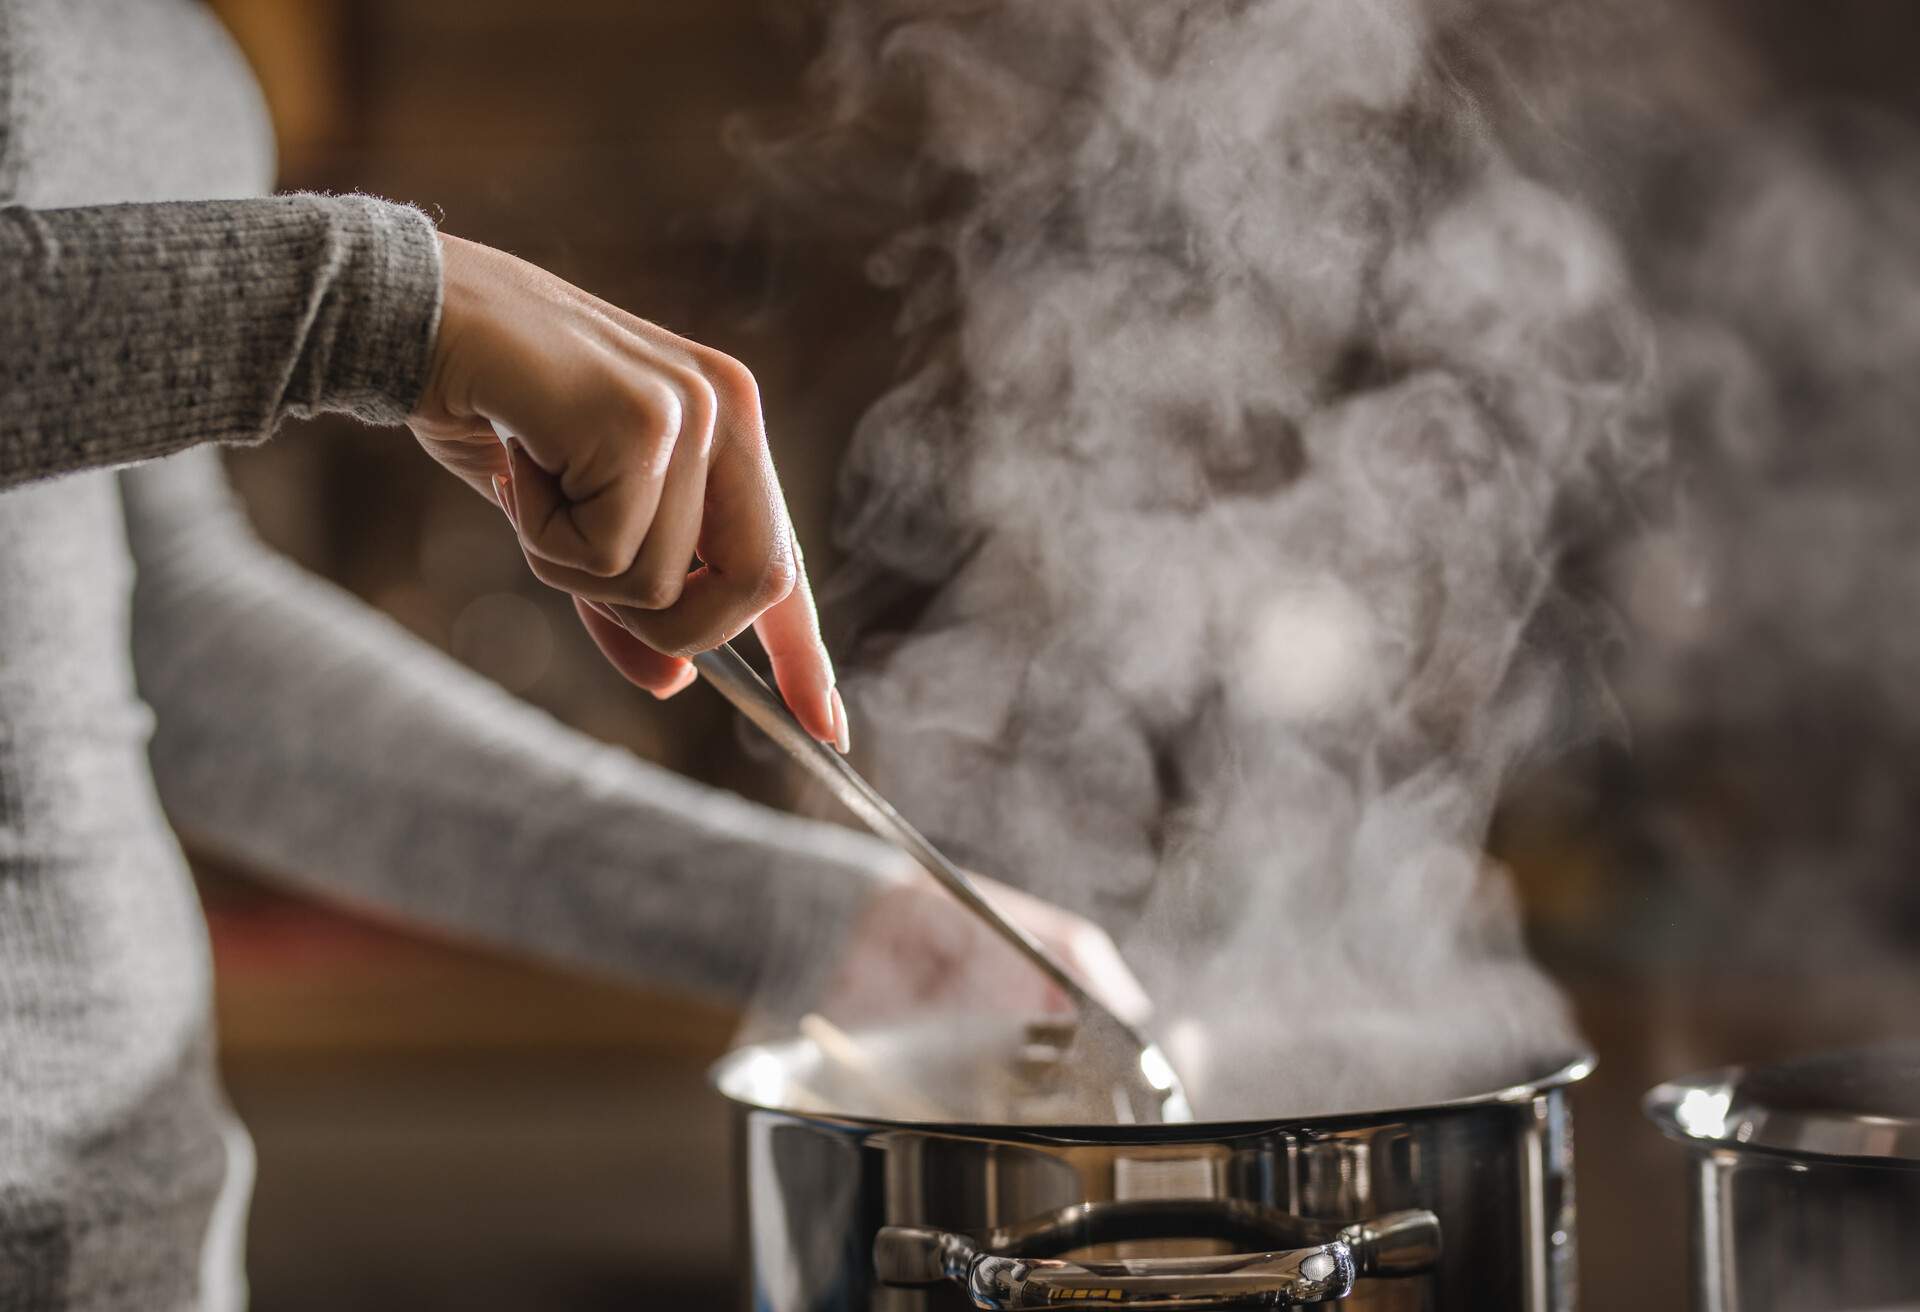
<point x="601" y="539"/>
<point x="701" y="411"/>
<point x="656" y="592"/>
<point x="644" y="403"/>
<point x="732" y="379"/>
<point x="602" y="558"/>
<point x="545" y="571"/>
<point x="778" y="578"/>
<point x="701" y="392"/>
<point x="647" y="413"/>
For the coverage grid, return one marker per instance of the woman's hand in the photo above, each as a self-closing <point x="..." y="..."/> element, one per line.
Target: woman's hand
<point x="915" y="949"/>
<point x="631" y="451"/>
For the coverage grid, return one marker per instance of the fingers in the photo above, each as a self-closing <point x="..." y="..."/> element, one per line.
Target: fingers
<point x="745" y="542"/>
<point x="630" y="542"/>
<point x="632" y="452"/>
<point x="663" y="676"/>
<point x="584" y="536"/>
<point x="468" y="450"/>
<point x="721" y="597"/>
<point x="615" y="419"/>
<point x="790" y="631"/>
<point x="659" y="573"/>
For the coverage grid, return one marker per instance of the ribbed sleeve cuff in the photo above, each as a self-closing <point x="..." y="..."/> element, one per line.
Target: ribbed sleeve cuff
<point x="377" y="309"/>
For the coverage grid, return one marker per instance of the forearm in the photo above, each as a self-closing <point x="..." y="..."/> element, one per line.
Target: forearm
<point x="131" y="331"/>
<point x="317" y="741"/>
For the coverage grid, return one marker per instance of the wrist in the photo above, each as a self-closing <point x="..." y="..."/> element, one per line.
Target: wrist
<point x="446" y="391"/>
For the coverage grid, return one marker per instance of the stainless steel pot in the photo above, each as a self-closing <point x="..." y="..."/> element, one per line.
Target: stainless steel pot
<point x="1458" y="1205"/>
<point x="1804" y="1181"/>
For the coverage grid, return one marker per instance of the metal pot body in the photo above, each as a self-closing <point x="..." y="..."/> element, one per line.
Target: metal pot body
<point x="1804" y="1181"/>
<point x="1775" y="1232"/>
<point x="1187" y="1216"/>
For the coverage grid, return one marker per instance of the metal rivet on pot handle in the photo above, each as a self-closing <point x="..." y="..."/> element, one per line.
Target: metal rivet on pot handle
<point x="1397" y="1244"/>
<point x="910" y="1256"/>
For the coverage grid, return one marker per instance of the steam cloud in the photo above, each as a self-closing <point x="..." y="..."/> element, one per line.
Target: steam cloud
<point x="1253" y="385"/>
<point x="1764" y="815"/>
<point x="1775" y="594"/>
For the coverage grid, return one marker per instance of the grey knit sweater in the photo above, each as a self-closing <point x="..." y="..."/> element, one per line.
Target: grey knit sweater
<point x="153" y="656"/>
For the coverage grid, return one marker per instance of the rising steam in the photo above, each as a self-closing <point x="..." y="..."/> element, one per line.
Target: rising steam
<point x="1776" y="594"/>
<point x="1251" y="384"/>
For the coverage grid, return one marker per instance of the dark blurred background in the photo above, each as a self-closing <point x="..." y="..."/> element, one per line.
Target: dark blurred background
<point x="442" y="1128"/>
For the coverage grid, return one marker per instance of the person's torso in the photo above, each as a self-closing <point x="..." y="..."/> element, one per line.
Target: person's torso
<point x="111" y="1125"/>
<point x="104" y="102"/>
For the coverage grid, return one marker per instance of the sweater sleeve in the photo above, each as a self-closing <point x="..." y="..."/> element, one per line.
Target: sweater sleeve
<point x="314" y="739"/>
<point x="132" y="331"/>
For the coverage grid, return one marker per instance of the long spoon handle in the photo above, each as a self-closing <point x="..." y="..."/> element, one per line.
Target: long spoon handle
<point x="1146" y="1087"/>
<point x="741" y="684"/>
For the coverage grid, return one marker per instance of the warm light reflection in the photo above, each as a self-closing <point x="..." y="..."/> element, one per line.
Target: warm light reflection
<point x="1320" y="1266"/>
<point x="759" y="1079"/>
<point x="1154" y="1065"/>
<point x="1702" y="1113"/>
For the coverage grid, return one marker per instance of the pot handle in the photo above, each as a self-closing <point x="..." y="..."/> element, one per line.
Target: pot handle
<point x="1400" y="1243"/>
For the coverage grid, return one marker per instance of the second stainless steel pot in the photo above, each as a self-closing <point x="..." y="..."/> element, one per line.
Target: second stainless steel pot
<point x="1804" y="1181"/>
<point x="1465" y="1204"/>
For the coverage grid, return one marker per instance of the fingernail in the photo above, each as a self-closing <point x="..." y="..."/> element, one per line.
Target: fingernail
<point x="842" y="739"/>
<point x="828" y="701"/>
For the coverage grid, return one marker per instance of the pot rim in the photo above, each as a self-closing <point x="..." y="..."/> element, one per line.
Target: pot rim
<point x="1740" y="1109"/>
<point x="731" y="1070"/>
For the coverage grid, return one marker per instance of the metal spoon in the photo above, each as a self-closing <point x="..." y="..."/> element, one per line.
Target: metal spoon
<point x="1143" y="1084"/>
<point x="1142" y="1081"/>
